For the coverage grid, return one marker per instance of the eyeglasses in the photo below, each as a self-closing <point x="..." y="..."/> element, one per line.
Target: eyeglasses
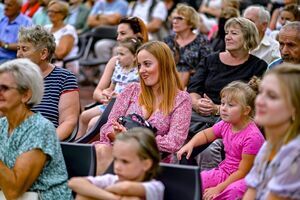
<point x="179" y="18"/>
<point x="5" y="88"/>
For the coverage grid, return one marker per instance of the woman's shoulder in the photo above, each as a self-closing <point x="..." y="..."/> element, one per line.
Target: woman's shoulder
<point x="183" y="96"/>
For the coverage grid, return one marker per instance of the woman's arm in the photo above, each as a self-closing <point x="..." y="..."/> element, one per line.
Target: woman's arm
<point x="68" y="109"/>
<point x="14" y="182"/>
<point x="105" y="79"/>
<point x="250" y="194"/>
<point x="64" y="46"/>
<point x="84" y="187"/>
<point x="244" y="167"/>
<point x="273" y="196"/>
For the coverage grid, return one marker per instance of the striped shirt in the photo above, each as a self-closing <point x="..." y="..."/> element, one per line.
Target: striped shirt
<point x="58" y="82"/>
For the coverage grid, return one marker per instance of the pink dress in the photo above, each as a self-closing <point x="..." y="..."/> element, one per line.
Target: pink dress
<point x="172" y="128"/>
<point x="247" y="141"/>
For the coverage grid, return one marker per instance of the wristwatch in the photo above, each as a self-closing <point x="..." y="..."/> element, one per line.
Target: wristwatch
<point x="5" y="46"/>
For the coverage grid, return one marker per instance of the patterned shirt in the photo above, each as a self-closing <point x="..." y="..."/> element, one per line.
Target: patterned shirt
<point x="58" y="82"/>
<point x="192" y="54"/>
<point x="172" y="129"/>
<point x="36" y="132"/>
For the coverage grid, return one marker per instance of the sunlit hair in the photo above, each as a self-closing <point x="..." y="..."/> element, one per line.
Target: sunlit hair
<point x="291" y="26"/>
<point x="63" y="7"/>
<point x="243" y="93"/>
<point x="130" y="43"/>
<point x="27" y="76"/>
<point x="262" y="14"/>
<point x="249" y="31"/>
<point x="189" y="13"/>
<point x="230" y="12"/>
<point x="137" y="26"/>
<point x="169" y="82"/>
<point x="147" y="149"/>
<point x="231" y="3"/>
<point x="288" y="76"/>
<point x="39" y="37"/>
<point x="294" y="9"/>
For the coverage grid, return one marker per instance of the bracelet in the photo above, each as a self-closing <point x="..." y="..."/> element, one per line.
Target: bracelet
<point x="218" y="110"/>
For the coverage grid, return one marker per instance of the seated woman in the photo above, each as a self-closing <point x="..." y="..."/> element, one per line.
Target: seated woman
<point x="125" y="72"/>
<point x="275" y="174"/>
<point x="189" y="49"/>
<point x="159" y="98"/>
<point x="65" y="35"/>
<point x="30" y="154"/>
<point x="220" y="69"/>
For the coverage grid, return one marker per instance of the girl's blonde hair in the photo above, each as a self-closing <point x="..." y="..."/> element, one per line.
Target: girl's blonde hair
<point x="148" y="148"/>
<point x="243" y="93"/>
<point x="169" y="82"/>
<point x="131" y="43"/>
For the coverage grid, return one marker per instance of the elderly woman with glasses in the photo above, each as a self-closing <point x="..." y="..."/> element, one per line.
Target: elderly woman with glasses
<point x="30" y="153"/>
<point x="189" y="48"/>
<point x="66" y="37"/>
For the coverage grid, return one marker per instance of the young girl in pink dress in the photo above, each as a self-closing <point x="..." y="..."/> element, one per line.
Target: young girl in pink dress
<point x="242" y="140"/>
<point x="136" y="163"/>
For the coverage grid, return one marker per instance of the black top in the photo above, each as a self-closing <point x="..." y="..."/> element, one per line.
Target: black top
<point x="213" y="75"/>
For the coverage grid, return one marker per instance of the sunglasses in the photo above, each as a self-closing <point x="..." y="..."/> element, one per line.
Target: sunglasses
<point x="179" y="18"/>
<point x="5" y="88"/>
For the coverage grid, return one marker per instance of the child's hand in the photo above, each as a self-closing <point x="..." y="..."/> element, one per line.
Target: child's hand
<point x="118" y="128"/>
<point x="211" y="193"/>
<point x="185" y="149"/>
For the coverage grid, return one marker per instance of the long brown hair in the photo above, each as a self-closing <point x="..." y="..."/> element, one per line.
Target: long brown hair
<point x="169" y="82"/>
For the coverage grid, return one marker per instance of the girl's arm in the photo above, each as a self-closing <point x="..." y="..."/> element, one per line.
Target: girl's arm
<point x="244" y="167"/>
<point x="250" y="194"/>
<point x="128" y="188"/>
<point x="84" y="187"/>
<point x="105" y="79"/>
<point x="201" y="138"/>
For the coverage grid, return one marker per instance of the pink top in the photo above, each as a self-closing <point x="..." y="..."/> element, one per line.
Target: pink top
<point x="247" y="141"/>
<point x="172" y="129"/>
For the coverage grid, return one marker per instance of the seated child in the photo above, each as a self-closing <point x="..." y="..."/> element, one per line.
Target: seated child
<point x="136" y="163"/>
<point x="242" y="140"/>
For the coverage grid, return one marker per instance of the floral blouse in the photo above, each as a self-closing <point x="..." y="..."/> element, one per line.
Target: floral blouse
<point x="172" y="129"/>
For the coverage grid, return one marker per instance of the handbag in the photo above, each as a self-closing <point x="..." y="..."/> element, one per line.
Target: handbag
<point x="25" y="196"/>
<point x="135" y="120"/>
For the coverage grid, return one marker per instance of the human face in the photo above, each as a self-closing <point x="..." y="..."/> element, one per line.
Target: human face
<point x="272" y="109"/>
<point x="55" y="14"/>
<point x="252" y="15"/>
<point x="10" y="97"/>
<point x="285" y="17"/>
<point x="231" y="111"/>
<point x="289" y="45"/>
<point x="179" y="23"/>
<point x="27" y="50"/>
<point x="124" y="31"/>
<point x="234" y="39"/>
<point x="125" y="57"/>
<point x="11" y="9"/>
<point x="127" y="164"/>
<point x="148" y="68"/>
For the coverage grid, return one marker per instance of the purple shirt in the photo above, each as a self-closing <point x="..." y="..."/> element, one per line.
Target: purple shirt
<point x="246" y="141"/>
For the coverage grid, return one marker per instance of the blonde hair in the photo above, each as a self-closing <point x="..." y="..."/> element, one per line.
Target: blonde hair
<point x="63" y="6"/>
<point x="148" y="148"/>
<point x="288" y="76"/>
<point x="249" y="31"/>
<point x="169" y="82"/>
<point x="243" y="93"/>
<point x="189" y="13"/>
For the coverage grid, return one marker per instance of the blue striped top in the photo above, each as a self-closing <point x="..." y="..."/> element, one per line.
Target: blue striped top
<point x="58" y="82"/>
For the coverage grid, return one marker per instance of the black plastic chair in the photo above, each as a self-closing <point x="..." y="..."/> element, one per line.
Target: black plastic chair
<point x="94" y="132"/>
<point x="180" y="181"/>
<point x="80" y="159"/>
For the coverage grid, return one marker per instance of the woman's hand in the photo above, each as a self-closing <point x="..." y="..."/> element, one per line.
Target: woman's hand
<point x="188" y="148"/>
<point x="206" y="106"/>
<point x="211" y="193"/>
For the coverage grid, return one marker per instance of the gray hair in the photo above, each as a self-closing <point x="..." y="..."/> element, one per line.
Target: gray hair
<point x="39" y="37"/>
<point x="262" y="14"/>
<point x="249" y="31"/>
<point x="295" y="26"/>
<point x="27" y="76"/>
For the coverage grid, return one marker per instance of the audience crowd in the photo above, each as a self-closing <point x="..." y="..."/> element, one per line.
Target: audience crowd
<point x="222" y="73"/>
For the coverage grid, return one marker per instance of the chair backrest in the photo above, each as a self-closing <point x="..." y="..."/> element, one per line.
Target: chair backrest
<point x="80" y="159"/>
<point x="94" y="132"/>
<point x="181" y="181"/>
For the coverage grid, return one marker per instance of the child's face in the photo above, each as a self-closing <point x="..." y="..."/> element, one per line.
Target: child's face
<point x="125" y="57"/>
<point x="127" y="164"/>
<point x="285" y="17"/>
<point x="231" y="110"/>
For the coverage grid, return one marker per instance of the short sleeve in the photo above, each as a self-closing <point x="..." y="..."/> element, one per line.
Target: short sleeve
<point x="154" y="190"/>
<point x="160" y="11"/>
<point x="103" y="181"/>
<point x="70" y="82"/>
<point x="218" y="128"/>
<point x="252" y="143"/>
